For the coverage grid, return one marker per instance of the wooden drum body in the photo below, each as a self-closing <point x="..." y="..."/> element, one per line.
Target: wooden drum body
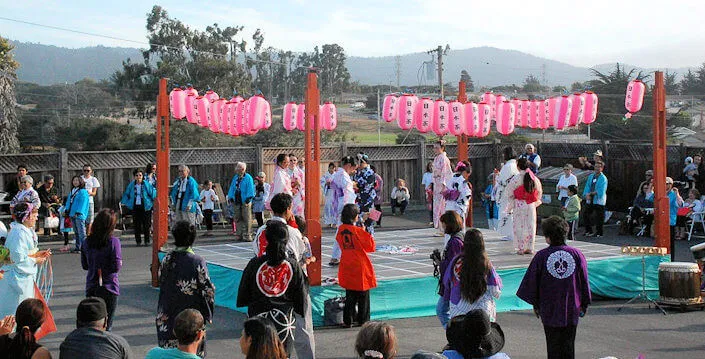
<point x="679" y="283"/>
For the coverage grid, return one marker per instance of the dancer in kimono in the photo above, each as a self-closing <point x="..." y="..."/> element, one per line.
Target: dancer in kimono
<point x="441" y="174"/>
<point x="18" y="282"/>
<point x="366" y="194"/>
<point x="298" y="185"/>
<point x="501" y="195"/>
<point x="524" y="192"/>
<point x="344" y="193"/>
<point x="329" y="212"/>
<point x="458" y="191"/>
<point x="281" y="182"/>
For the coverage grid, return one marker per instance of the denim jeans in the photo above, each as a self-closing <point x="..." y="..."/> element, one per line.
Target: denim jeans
<point x="443" y="311"/>
<point x="79" y="229"/>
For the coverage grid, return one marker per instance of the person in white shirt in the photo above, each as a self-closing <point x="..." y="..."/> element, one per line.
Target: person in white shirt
<point x="427" y="188"/>
<point x="400" y="196"/>
<point x="567" y="179"/>
<point x="92" y="185"/>
<point x="534" y="160"/>
<point x="208" y="198"/>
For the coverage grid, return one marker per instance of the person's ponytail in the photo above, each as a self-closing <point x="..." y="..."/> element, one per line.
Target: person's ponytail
<point x="529" y="184"/>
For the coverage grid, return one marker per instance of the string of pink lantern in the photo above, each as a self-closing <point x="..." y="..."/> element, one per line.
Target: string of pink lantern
<point x="476" y="119"/>
<point x="634" y="98"/>
<point x="238" y="116"/>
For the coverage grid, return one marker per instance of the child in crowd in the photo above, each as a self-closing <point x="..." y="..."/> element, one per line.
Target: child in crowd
<point x="308" y="257"/>
<point x="64" y="225"/>
<point x="258" y="201"/>
<point x="355" y="273"/>
<point x="489" y="203"/>
<point x="400" y="197"/>
<point x="208" y="199"/>
<point x="571" y="210"/>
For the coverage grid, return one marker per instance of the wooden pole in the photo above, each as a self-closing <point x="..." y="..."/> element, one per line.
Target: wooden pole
<point x="312" y="154"/>
<point x="161" y="205"/>
<point x="661" y="205"/>
<point x="463" y="150"/>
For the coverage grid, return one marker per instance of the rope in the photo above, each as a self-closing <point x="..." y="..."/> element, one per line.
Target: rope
<point x="45" y="279"/>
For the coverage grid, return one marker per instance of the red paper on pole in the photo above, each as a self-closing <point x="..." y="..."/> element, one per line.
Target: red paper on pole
<point x="49" y="326"/>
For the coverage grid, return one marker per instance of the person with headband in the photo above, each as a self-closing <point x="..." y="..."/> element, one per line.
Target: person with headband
<point x="282" y="181"/>
<point x="18" y="283"/>
<point x="458" y="192"/>
<point x="442" y="172"/>
<point x="366" y="194"/>
<point x="344" y="190"/>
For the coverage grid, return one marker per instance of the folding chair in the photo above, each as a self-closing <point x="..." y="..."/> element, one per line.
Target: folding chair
<point x="218" y="212"/>
<point x="125" y="217"/>
<point x="696" y="217"/>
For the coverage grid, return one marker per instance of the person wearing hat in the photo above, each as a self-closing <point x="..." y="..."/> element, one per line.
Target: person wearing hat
<point x="556" y="284"/>
<point x="595" y="196"/>
<point x="473" y="336"/>
<point x="587" y="165"/>
<point x="90" y="339"/>
<point x="564" y="181"/>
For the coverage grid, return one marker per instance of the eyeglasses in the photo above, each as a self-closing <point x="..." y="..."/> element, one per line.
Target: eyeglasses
<point x="86" y="170"/>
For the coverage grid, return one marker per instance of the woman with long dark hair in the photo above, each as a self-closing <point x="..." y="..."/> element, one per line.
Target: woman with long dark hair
<point x="272" y="286"/>
<point x="22" y="344"/>
<point x="501" y="193"/>
<point x="259" y="340"/>
<point x="101" y="256"/>
<point x="473" y="281"/>
<point x="452" y="225"/>
<point x="525" y="192"/>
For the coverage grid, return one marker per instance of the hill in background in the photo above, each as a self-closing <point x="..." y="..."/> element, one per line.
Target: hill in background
<point x="488" y="66"/>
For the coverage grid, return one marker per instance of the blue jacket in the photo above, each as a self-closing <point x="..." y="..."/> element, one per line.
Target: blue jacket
<point x="190" y="196"/>
<point x="672" y="207"/>
<point x="247" y="188"/>
<point x="78" y="204"/>
<point x="149" y="193"/>
<point x="600" y="187"/>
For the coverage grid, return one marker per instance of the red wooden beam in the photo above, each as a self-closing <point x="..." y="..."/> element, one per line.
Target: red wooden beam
<point x="161" y="205"/>
<point x="312" y="155"/>
<point x="661" y="207"/>
<point x="463" y="149"/>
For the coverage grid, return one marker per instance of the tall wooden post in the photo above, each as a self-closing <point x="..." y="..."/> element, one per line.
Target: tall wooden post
<point x="312" y="155"/>
<point x="463" y="149"/>
<point x="661" y="206"/>
<point x="161" y="205"/>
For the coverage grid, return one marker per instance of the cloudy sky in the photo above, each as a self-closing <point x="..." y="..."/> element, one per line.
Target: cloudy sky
<point x="646" y="33"/>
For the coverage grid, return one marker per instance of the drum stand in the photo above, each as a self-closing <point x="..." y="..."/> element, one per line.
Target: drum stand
<point x="643" y="295"/>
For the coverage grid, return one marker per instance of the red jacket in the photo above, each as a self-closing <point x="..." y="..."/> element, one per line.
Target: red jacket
<point x="355" y="271"/>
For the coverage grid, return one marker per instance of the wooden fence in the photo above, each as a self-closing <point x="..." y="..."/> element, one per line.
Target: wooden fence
<point x="626" y="164"/>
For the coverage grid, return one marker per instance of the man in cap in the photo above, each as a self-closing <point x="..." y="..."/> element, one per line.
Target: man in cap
<point x="90" y="339"/>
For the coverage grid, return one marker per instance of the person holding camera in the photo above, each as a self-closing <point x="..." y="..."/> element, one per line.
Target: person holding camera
<point x="452" y="226"/>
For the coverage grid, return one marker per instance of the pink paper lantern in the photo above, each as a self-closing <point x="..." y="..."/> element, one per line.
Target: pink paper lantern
<point x="590" y="114"/>
<point x="241" y="119"/>
<point x="563" y="108"/>
<point x="490" y="99"/>
<point x="505" y="117"/>
<point x="389" y="108"/>
<point x="542" y="114"/>
<point x="441" y="117"/>
<point x="457" y="118"/>
<point x="229" y="117"/>
<point x="550" y="110"/>
<point x="211" y="95"/>
<point x="577" y="112"/>
<point x="328" y="115"/>
<point x="525" y="114"/>
<point x="202" y="109"/>
<point x="517" y="107"/>
<point x="484" y="111"/>
<point x="423" y="115"/>
<point x="177" y="103"/>
<point x="534" y="114"/>
<point x="635" y="97"/>
<point x="405" y="111"/>
<point x="216" y="119"/>
<point x="499" y="99"/>
<point x="191" y="108"/>
<point x="300" y="117"/>
<point x="472" y="119"/>
<point x="289" y="116"/>
<point x="258" y="112"/>
<point x="191" y="91"/>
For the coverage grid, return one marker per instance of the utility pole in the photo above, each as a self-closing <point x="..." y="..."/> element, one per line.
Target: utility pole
<point x="440" y="51"/>
<point x="397" y="65"/>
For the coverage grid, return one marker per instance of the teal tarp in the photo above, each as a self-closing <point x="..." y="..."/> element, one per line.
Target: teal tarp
<point x="618" y="278"/>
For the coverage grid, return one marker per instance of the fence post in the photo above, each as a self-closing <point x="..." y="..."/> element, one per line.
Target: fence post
<point x="682" y="151"/>
<point x="63" y="171"/>
<point x="259" y="160"/>
<point x="605" y="149"/>
<point x="422" y="165"/>
<point x="343" y="149"/>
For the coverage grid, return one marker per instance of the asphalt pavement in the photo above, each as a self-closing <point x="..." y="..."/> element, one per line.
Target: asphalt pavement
<point x="603" y="332"/>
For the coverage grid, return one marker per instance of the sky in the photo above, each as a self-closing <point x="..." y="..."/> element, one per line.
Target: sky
<point x="646" y="33"/>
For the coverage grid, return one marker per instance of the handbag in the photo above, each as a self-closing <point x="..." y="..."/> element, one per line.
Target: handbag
<point x="684" y="211"/>
<point x="67" y="223"/>
<point x="51" y="222"/>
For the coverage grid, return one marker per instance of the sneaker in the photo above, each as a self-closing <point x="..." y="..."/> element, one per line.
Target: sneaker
<point x="598" y="236"/>
<point x="589" y="234"/>
<point x="334" y="262"/>
<point x="505" y="239"/>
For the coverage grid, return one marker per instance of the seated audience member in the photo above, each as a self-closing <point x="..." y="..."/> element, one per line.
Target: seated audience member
<point x="259" y="340"/>
<point x="400" y="197"/>
<point x="189" y="329"/>
<point x="473" y="336"/>
<point x="22" y="344"/>
<point x="90" y="339"/>
<point x="376" y="340"/>
<point x="644" y="199"/>
<point x="691" y="205"/>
